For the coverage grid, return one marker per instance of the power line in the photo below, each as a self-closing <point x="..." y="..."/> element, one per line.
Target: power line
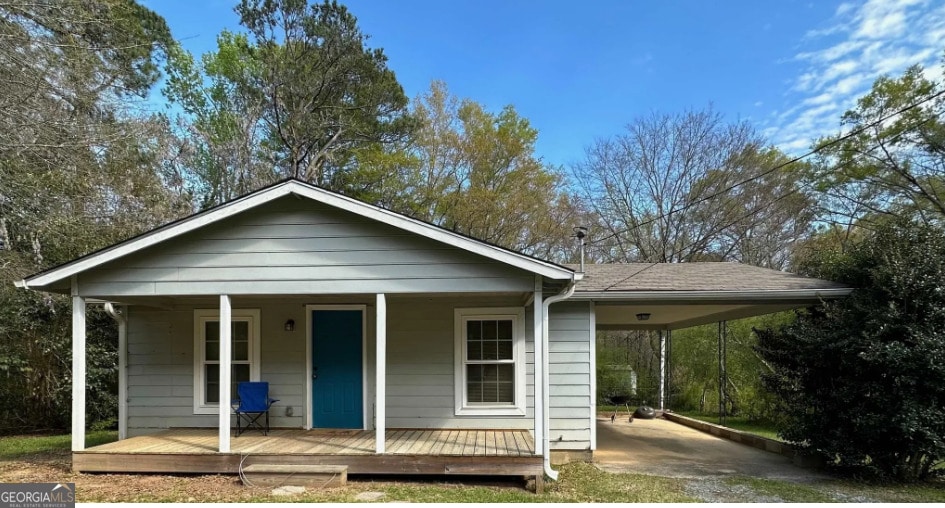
<point x="777" y="199"/>
<point x="768" y="171"/>
<point x="693" y="244"/>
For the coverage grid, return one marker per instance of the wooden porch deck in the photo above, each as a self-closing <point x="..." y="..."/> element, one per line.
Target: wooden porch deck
<point x="409" y="451"/>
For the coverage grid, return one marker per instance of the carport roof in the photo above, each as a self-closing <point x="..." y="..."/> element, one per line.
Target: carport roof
<point x="679" y="295"/>
<point x="715" y="276"/>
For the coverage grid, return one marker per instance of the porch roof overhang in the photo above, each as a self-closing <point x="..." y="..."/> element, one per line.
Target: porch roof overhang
<point x="52" y="279"/>
<point x="680" y="295"/>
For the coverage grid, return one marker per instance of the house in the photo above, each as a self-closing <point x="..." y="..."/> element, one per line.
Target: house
<point x="393" y="345"/>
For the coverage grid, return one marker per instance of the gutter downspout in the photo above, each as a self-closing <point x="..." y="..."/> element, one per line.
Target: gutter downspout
<point x="545" y="381"/>
<point x="122" y="369"/>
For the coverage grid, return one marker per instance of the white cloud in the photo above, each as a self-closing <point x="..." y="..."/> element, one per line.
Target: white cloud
<point x="845" y="8"/>
<point x="864" y="40"/>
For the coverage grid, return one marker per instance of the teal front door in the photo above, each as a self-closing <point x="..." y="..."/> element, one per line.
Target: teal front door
<point x="337" y="377"/>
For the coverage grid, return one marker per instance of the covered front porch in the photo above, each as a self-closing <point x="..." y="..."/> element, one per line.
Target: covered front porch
<point x="409" y="451"/>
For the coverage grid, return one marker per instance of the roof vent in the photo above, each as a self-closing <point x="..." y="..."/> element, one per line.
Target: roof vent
<point x="580" y="232"/>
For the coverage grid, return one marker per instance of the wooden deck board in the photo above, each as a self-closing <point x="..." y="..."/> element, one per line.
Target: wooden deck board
<point x="502" y="447"/>
<point x="440" y="439"/>
<point x="469" y="444"/>
<point x="454" y="442"/>
<point x="453" y="445"/>
<point x="520" y="444"/>
<point x="409" y="451"/>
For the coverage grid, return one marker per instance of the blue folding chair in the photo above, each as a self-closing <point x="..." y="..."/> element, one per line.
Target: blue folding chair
<point x="252" y="404"/>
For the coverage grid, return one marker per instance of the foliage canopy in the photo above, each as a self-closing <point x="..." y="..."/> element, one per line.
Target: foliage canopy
<point x="861" y="379"/>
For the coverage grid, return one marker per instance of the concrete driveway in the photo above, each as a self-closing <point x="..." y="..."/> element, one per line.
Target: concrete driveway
<point x="663" y="448"/>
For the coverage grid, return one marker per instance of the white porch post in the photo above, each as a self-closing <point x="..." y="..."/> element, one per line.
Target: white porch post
<point x="592" y="326"/>
<point x="123" y="374"/>
<point x="78" y="370"/>
<point x="380" y="392"/>
<point x="537" y="327"/>
<point x="226" y="361"/>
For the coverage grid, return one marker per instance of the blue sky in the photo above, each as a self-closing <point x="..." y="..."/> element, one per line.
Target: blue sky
<point x="583" y="71"/>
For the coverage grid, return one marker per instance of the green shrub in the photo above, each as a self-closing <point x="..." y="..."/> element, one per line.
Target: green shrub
<point x="861" y="380"/>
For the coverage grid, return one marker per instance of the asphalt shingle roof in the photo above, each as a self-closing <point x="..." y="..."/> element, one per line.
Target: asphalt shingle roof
<point x="719" y="276"/>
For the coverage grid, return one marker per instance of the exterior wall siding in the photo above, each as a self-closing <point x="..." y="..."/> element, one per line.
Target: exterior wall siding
<point x="421" y="364"/>
<point x="292" y="246"/>
<point x="569" y="357"/>
<point x="161" y="364"/>
<point x="419" y="373"/>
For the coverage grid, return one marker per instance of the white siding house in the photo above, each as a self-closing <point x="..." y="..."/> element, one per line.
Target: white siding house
<point x="426" y="341"/>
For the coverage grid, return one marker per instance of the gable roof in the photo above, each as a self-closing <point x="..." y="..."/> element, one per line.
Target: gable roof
<point x="614" y="279"/>
<point x="305" y="190"/>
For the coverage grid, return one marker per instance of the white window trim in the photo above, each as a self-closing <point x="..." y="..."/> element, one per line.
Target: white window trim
<point x="517" y="314"/>
<point x="201" y="316"/>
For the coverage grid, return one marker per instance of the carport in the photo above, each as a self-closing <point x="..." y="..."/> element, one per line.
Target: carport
<point x="664" y="448"/>
<point x="663" y="297"/>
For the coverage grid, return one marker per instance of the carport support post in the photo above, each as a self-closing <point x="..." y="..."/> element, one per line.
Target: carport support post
<point x="78" y="369"/>
<point x="669" y="369"/>
<point x="226" y="365"/>
<point x="380" y="390"/>
<point x="662" y="370"/>
<point x="723" y="375"/>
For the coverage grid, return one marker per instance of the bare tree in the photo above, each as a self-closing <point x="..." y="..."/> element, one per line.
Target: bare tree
<point x="689" y="187"/>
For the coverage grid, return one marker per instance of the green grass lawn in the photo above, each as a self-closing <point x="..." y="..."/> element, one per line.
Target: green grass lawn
<point x="14" y="447"/>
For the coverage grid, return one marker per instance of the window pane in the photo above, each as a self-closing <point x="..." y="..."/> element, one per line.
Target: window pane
<point x="473" y="330"/>
<point x="212" y="378"/>
<point x="240" y="330"/>
<point x="491" y="384"/>
<point x="505" y="350"/>
<point x="505" y="372"/>
<point x="213" y="351"/>
<point x="490" y="350"/>
<point x="212" y="330"/>
<point x="240" y="372"/>
<point x="241" y="351"/>
<point x="474" y="350"/>
<point x="489" y="392"/>
<point x="505" y="330"/>
<point x="474" y="392"/>
<point x="506" y="392"/>
<point x="490" y="330"/>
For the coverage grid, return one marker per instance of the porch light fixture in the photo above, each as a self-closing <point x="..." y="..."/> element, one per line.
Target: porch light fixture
<point x="290" y="325"/>
<point x="643" y="316"/>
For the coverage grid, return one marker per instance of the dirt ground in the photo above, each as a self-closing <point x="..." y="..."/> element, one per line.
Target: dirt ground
<point x="650" y="461"/>
<point x="57" y="468"/>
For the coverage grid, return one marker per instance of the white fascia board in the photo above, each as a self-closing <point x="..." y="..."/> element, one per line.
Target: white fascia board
<point x="756" y="294"/>
<point x="292" y="187"/>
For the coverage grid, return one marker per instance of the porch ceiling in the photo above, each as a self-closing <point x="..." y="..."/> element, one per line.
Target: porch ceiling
<point x="613" y="316"/>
